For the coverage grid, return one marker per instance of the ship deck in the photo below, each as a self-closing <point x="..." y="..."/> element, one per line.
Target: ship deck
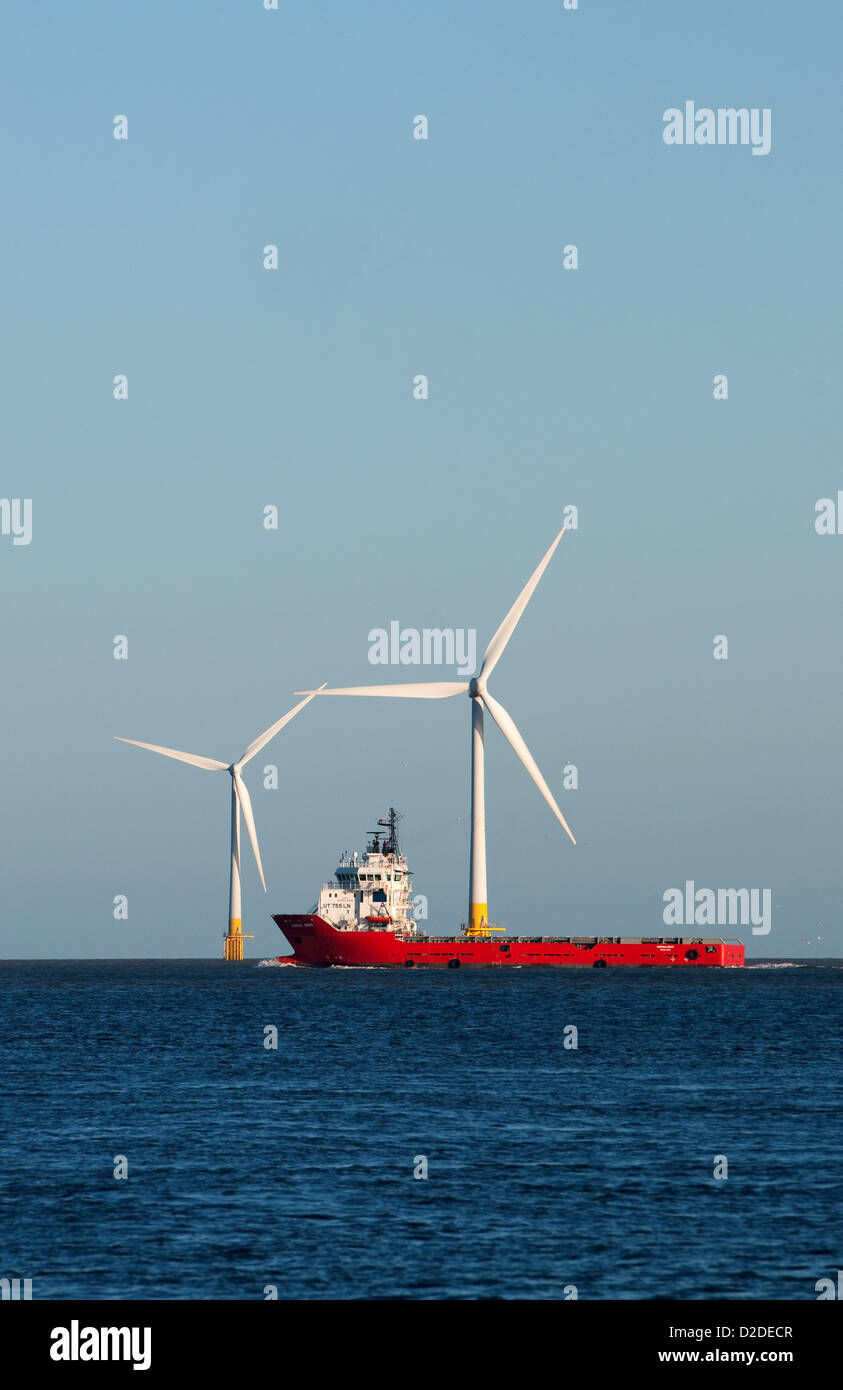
<point x="582" y="940"/>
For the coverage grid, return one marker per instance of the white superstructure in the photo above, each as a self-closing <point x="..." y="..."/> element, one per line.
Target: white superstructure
<point x="372" y="892"/>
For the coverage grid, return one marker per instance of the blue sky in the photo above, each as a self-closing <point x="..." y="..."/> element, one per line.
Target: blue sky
<point x="293" y="388"/>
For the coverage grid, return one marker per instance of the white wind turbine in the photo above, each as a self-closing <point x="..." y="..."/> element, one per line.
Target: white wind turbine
<point x="240" y="801"/>
<point x="438" y="690"/>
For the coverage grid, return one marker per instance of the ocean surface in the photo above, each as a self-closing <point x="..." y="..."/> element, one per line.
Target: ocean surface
<point x="251" y="1169"/>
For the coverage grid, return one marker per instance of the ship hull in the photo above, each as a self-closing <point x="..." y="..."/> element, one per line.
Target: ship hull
<point x="316" y="942"/>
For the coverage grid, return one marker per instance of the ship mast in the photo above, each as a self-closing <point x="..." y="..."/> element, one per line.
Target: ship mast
<point x="390" y="823"/>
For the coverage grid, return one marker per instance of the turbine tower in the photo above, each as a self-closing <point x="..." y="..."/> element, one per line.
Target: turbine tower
<point x="240" y="801"/>
<point x="478" y="912"/>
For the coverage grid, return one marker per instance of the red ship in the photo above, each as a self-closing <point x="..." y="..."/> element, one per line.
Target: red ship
<point x="367" y="916"/>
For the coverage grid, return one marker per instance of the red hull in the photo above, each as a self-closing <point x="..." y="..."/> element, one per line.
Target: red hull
<point x="316" y="942"/>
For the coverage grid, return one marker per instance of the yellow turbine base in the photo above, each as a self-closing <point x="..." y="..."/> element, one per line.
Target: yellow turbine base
<point x="232" y="945"/>
<point x="478" y="924"/>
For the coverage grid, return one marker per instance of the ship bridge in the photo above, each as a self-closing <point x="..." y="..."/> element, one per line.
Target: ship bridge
<point x="371" y="891"/>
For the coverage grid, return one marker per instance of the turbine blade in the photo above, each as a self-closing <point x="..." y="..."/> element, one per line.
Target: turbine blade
<point x="510" y="622"/>
<point x="210" y="763"/>
<point x="276" y="728"/>
<point x="507" y="726"/>
<point x="245" y="803"/>
<point x="424" y="690"/>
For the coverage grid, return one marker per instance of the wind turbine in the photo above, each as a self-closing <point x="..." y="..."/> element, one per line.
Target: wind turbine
<point x="477" y="691"/>
<point x="240" y="801"/>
